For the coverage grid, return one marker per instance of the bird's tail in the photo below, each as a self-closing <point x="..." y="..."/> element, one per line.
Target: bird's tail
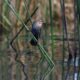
<point x="33" y="42"/>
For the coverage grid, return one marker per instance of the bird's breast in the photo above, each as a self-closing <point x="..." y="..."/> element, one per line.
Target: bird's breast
<point x="35" y="31"/>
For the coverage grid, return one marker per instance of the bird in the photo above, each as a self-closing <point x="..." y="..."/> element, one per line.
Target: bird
<point x="36" y="31"/>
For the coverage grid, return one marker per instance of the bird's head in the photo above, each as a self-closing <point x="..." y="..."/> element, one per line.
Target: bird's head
<point x="38" y="23"/>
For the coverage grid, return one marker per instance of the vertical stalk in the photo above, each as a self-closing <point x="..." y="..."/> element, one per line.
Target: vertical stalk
<point x="78" y="15"/>
<point x="63" y="47"/>
<point x="65" y="34"/>
<point x="75" y="36"/>
<point x="51" y="30"/>
<point x="51" y="27"/>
